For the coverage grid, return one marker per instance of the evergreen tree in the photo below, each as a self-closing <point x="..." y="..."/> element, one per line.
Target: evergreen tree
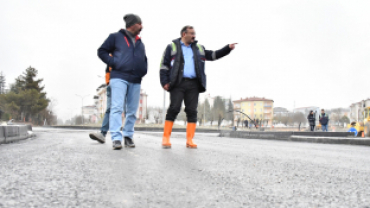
<point x="30" y="81"/>
<point x="200" y="113"/>
<point x="230" y="112"/>
<point x="218" y="110"/>
<point x="26" y="100"/>
<point x="207" y="112"/>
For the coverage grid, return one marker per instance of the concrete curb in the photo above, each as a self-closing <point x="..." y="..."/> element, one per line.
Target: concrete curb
<point x="13" y="133"/>
<point x="332" y="140"/>
<point x="311" y="137"/>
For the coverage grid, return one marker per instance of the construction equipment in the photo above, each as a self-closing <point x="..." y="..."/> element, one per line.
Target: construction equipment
<point x="363" y="127"/>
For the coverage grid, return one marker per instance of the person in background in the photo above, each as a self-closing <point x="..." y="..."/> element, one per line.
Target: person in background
<point x="353" y="129"/>
<point x="312" y="120"/>
<point x="324" y="120"/>
<point x="100" y="137"/>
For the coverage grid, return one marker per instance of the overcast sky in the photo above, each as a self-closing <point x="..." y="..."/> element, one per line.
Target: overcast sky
<point x="303" y="52"/>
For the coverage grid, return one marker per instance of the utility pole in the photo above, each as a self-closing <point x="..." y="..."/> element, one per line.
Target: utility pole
<point x="82" y="99"/>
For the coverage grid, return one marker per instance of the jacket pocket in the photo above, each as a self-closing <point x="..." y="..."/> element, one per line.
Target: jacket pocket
<point x="124" y="63"/>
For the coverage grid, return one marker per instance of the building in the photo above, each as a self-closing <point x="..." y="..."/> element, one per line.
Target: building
<point x="101" y="104"/>
<point x="356" y="110"/>
<point x="89" y="114"/>
<point x="306" y="110"/>
<point x="280" y="111"/>
<point x="101" y="100"/>
<point x="255" y="108"/>
<point x="141" y="113"/>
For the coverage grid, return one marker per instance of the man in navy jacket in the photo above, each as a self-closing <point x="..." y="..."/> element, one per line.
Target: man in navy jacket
<point x="129" y="65"/>
<point x="182" y="73"/>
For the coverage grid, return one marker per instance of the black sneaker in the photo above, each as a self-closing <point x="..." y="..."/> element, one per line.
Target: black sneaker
<point x="117" y="145"/>
<point x="129" y="142"/>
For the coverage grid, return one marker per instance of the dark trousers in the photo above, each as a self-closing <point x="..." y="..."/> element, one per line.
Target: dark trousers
<point x="187" y="91"/>
<point x="312" y="128"/>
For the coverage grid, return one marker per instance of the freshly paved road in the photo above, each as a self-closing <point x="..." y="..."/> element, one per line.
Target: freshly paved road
<point x="64" y="168"/>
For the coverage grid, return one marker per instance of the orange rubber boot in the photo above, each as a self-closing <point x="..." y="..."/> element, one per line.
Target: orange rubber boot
<point x="166" y="134"/>
<point x="190" y="131"/>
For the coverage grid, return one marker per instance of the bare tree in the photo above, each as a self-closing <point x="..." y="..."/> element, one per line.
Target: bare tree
<point x="299" y="117"/>
<point x="2" y="83"/>
<point x="336" y="115"/>
<point x="238" y="121"/>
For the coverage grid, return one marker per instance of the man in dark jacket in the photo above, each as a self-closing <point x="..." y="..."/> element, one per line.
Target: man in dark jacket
<point x="129" y="65"/>
<point x="182" y="74"/>
<point x="324" y="120"/>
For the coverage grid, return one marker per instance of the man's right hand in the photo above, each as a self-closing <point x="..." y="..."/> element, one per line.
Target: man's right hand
<point x="166" y="86"/>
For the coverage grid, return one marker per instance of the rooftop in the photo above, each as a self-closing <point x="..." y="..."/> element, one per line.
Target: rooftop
<point x="253" y="99"/>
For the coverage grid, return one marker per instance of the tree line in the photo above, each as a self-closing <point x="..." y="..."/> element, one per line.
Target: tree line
<point x="220" y="110"/>
<point x="26" y="100"/>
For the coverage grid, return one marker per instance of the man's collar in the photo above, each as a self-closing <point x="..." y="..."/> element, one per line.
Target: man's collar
<point x="182" y="43"/>
<point x="125" y="32"/>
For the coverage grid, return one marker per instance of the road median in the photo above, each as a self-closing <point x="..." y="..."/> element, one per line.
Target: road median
<point x="311" y="137"/>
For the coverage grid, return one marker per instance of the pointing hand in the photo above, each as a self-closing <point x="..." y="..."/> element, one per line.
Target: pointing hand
<point x="232" y="46"/>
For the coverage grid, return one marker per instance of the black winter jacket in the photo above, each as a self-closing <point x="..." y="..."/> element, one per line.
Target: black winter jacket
<point x="172" y="64"/>
<point x="311" y="119"/>
<point x="128" y="62"/>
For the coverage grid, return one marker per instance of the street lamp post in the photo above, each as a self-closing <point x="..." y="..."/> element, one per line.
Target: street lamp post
<point x="82" y="99"/>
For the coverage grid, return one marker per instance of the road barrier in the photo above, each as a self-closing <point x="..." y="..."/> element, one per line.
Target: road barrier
<point x="13" y="133"/>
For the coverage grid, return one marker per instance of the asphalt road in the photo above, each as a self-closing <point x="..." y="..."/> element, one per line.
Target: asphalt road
<point x="64" y="168"/>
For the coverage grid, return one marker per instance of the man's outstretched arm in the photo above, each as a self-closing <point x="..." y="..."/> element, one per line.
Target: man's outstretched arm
<point x="214" y="55"/>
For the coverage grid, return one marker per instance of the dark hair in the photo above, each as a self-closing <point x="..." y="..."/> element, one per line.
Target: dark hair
<point x="323" y="109"/>
<point x="185" y="28"/>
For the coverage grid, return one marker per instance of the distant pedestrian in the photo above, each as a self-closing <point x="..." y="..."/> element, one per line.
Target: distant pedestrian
<point x="100" y="137"/>
<point x="324" y="120"/>
<point x="182" y="74"/>
<point x="129" y="66"/>
<point x="353" y="128"/>
<point x="312" y="120"/>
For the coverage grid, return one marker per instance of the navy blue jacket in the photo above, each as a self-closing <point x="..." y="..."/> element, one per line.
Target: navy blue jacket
<point x="172" y="64"/>
<point x="128" y="62"/>
<point x="324" y="119"/>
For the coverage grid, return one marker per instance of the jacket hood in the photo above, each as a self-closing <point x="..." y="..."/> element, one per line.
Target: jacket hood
<point x="124" y="32"/>
<point x="178" y="40"/>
